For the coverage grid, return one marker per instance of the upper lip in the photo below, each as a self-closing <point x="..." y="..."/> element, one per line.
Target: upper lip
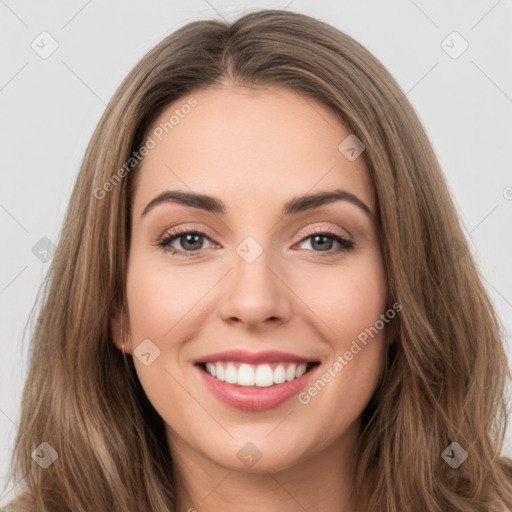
<point x="243" y="356"/>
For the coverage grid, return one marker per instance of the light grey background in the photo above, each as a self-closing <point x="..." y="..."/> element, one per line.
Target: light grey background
<point x="51" y="106"/>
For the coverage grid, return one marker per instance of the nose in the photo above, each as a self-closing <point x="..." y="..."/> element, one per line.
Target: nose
<point x="255" y="293"/>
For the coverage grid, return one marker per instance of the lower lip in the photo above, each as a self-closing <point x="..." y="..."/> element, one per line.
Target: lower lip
<point x="252" y="398"/>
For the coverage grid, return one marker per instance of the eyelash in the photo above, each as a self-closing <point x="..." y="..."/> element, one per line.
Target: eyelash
<point x="165" y="242"/>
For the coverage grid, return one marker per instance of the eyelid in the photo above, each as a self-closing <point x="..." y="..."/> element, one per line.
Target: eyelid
<point x="186" y="228"/>
<point x="322" y="229"/>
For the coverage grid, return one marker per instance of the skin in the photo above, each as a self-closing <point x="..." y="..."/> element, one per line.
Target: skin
<point x="254" y="149"/>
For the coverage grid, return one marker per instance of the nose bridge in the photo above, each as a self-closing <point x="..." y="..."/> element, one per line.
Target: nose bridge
<point x="255" y="293"/>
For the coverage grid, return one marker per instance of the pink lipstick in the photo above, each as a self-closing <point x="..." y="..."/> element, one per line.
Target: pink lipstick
<point x="255" y="381"/>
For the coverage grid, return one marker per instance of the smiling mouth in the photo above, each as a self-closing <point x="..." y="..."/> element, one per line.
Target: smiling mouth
<point x="256" y="375"/>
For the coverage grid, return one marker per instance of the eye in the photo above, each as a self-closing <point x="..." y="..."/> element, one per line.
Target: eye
<point x="191" y="241"/>
<point x="324" y="239"/>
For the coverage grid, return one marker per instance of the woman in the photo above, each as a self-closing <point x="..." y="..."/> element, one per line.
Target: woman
<point x="325" y="343"/>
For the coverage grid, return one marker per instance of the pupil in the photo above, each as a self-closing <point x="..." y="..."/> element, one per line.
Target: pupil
<point x="187" y="238"/>
<point x="322" y="244"/>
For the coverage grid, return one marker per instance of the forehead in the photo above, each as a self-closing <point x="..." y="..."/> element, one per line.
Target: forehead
<point x="251" y="147"/>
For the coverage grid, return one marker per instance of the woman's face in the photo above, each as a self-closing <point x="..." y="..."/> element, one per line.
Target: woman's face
<point x="278" y="288"/>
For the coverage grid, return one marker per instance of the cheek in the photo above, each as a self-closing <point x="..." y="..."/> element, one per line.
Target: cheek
<point x="350" y="301"/>
<point x="347" y="298"/>
<point x="161" y="305"/>
<point x="160" y="299"/>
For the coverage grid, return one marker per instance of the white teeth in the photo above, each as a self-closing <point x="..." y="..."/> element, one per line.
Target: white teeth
<point x="290" y="372"/>
<point x="279" y="374"/>
<point x="301" y="370"/>
<point x="261" y="375"/>
<point x="231" y="375"/>
<point x="246" y="375"/>
<point x="264" y="376"/>
<point x="212" y="370"/>
<point x="220" y="371"/>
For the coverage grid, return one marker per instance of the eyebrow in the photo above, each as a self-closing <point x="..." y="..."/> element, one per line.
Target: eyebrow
<point x="295" y="205"/>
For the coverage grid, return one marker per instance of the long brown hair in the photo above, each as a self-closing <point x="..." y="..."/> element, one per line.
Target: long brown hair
<point x="444" y="378"/>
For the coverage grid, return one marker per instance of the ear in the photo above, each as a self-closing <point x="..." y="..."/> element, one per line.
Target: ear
<point x="119" y="329"/>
